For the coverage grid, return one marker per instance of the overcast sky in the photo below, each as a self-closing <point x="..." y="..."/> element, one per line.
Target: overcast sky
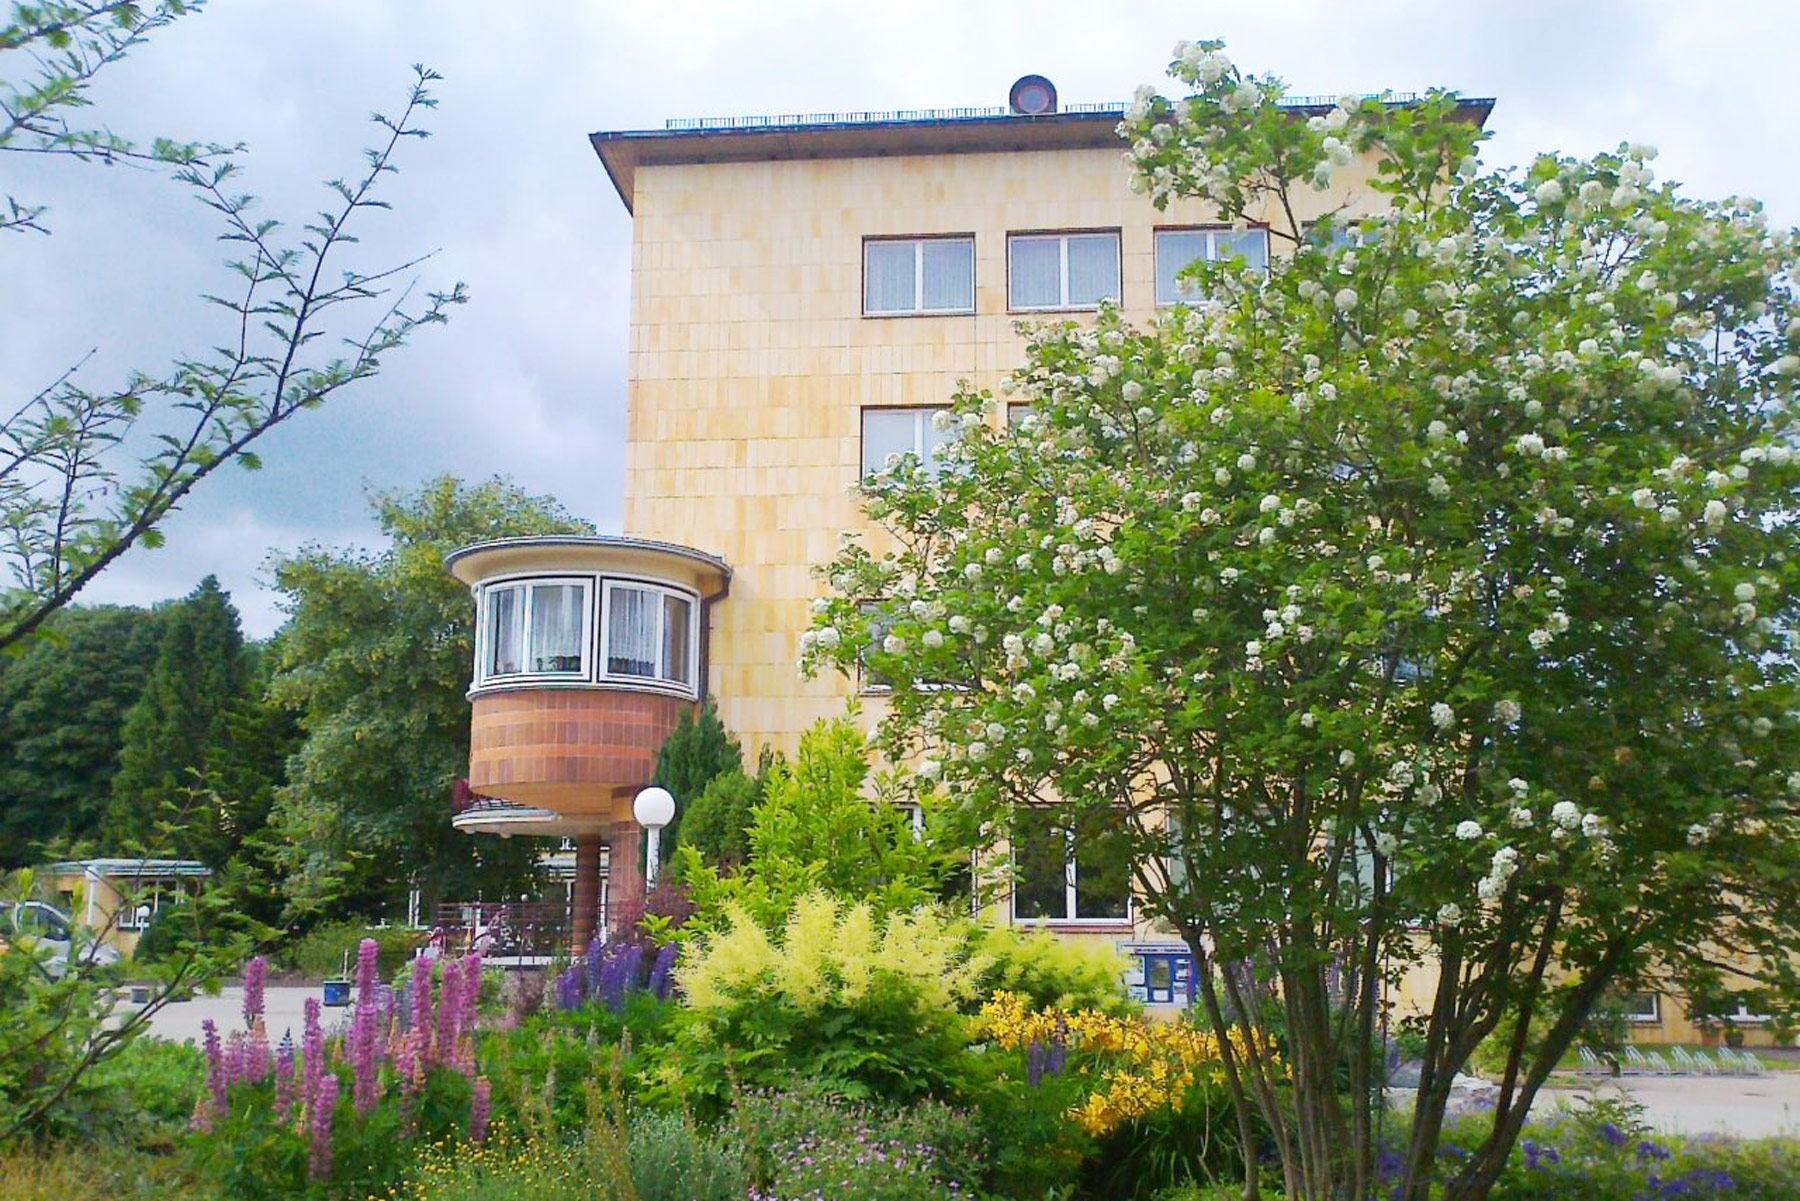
<point x="529" y="379"/>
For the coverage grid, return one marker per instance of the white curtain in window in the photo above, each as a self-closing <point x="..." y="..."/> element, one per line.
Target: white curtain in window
<point x="631" y="631"/>
<point x="888" y="277"/>
<point x="505" y="632"/>
<point x="949" y="269"/>
<point x="888" y="432"/>
<point x="1035" y="273"/>
<point x="934" y="438"/>
<point x="676" y="636"/>
<point x="1252" y="246"/>
<point x="556" y="627"/>
<point x="1093" y="268"/>
<point x="1176" y="251"/>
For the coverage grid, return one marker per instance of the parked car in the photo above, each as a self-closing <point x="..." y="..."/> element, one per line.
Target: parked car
<point x="48" y="932"/>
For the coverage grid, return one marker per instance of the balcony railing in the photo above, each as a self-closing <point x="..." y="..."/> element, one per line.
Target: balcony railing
<point x="505" y="929"/>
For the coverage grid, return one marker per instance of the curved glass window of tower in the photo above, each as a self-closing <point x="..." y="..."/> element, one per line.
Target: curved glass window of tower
<point x="535" y="629"/>
<point x="649" y="634"/>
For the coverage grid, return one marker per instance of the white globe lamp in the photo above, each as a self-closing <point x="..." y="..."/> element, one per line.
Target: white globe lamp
<point x="654" y="808"/>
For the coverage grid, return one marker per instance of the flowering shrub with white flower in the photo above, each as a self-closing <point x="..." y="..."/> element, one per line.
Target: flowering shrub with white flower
<point x="1428" y="598"/>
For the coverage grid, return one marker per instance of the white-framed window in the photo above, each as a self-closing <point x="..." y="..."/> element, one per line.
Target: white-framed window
<point x="1061" y="271"/>
<point x="918" y="276"/>
<point x="1644" y="1008"/>
<point x="889" y="433"/>
<point x="650" y="633"/>
<point x="1179" y="249"/>
<point x="1058" y="876"/>
<point x="1740" y="1012"/>
<point x="535" y="628"/>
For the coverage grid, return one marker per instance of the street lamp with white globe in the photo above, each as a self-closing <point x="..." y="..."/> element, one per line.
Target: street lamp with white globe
<point x="654" y="808"/>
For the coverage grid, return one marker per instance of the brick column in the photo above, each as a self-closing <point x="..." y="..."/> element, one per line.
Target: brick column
<point x="625" y="875"/>
<point x="584" y="893"/>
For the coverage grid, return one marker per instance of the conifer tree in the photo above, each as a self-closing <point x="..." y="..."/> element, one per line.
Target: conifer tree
<point x="698" y="751"/>
<point x="200" y="673"/>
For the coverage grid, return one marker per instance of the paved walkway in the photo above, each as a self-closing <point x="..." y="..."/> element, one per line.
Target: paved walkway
<point x="283" y="1010"/>
<point x="1747" y="1106"/>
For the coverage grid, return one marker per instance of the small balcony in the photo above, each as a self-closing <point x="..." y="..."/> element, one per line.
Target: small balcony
<point x="588" y="651"/>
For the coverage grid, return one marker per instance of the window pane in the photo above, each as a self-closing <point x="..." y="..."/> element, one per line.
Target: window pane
<point x="1252" y="246"/>
<point x="676" y="636"/>
<point x="631" y="632"/>
<point x="1093" y="268"/>
<point x="1035" y="273"/>
<point x="888" y="277"/>
<point x="1176" y="250"/>
<point x="1102" y="877"/>
<point x="949" y="275"/>
<point x="1040" y="867"/>
<point x="556" y="611"/>
<point x="505" y="631"/>
<point x="888" y="432"/>
<point x="879" y="624"/>
<point x="1017" y="415"/>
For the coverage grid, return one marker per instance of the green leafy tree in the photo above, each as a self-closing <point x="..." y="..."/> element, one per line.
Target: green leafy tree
<point x="170" y="733"/>
<point x="86" y="473"/>
<point x="1426" y="600"/>
<point x="697" y="751"/>
<point x="63" y="701"/>
<point x="824" y="825"/>
<point x="376" y="659"/>
<point x="717" y="823"/>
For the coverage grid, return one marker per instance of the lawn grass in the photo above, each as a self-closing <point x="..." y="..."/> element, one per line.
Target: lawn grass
<point x="109" y="1171"/>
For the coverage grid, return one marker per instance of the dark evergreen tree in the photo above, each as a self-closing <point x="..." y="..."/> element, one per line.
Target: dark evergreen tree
<point x="201" y="672"/>
<point x="62" y="704"/>
<point x="697" y="752"/>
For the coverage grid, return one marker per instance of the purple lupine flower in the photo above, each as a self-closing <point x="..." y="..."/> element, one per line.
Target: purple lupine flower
<point x="1034" y="1064"/>
<point x="256" y="977"/>
<point x="478" y="1110"/>
<point x="386" y="1006"/>
<point x="284" y="1079"/>
<point x="256" y="1056"/>
<point x="568" y="988"/>
<point x="367" y="956"/>
<point x="444" y="1046"/>
<point x="620" y="974"/>
<point x="595" y="965"/>
<point x="420" y="997"/>
<point x="312" y="1052"/>
<point x="365" y="1074"/>
<point x="235" y="1069"/>
<point x="324" y="1102"/>
<point x="662" y="972"/>
<point x="216" y="1080"/>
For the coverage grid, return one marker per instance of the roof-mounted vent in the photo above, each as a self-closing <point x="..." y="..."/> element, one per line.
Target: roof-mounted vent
<point x="1032" y="96"/>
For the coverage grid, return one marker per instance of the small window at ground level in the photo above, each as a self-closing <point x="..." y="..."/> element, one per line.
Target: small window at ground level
<point x="1179" y="249"/>
<point x="1062" y="271"/>
<point x="1642" y="1007"/>
<point x="889" y="434"/>
<point x="918" y="276"/>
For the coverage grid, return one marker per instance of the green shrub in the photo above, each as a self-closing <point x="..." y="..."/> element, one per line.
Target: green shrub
<point x="503" y="1170"/>
<point x="805" y="1142"/>
<point x="145" y="1094"/>
<point x="871" y="1009"/>
<point x="170" y="926"/>
<point x="1051" y="972"/>
<point x="325" y="950"/>
<point x="672" y="1159"/>
<point x="540" y="1067"/>
<point x="717" y="822"/>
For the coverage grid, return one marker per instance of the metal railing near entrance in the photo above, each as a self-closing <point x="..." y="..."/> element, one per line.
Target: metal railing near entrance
<point x="528" y="931"/>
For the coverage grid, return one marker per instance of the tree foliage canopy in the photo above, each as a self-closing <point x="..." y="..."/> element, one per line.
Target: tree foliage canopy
<point x="1425" y="600"/>
<point x="377" y="658"/>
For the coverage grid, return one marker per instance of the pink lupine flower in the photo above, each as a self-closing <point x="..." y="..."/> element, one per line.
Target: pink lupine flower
<point x="312" y="1052"/>
<point x="366" y="1071"/>
<point x="367" y="952"/>
<point x="410" y="1066"/>
<point x="284" y="1079"/>
<point x="256" y="977"/>
<point x="449" y="1016"/>
<point x="216" y="1080"/>
<point x="258" y="1060"/>
<point x="478" y="1110"/>
<point x="324" y="1102"/>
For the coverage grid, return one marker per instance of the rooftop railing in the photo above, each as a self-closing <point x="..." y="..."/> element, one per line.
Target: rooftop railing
<point x="787" y="120"/>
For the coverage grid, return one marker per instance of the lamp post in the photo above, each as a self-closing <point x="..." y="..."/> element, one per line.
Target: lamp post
<point x="654" y="808"/>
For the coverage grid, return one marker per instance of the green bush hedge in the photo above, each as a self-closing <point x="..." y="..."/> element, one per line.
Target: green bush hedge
<point x="324" y="951"/>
